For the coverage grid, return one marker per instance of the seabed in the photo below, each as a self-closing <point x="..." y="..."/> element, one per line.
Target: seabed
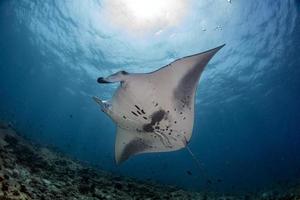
<point x="29" y="171"/>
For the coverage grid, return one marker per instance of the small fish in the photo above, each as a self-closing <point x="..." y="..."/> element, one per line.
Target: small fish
<point x="189" y="172"/>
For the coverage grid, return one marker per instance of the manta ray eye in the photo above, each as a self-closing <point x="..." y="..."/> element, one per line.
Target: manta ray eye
<point x="124" y="72"/>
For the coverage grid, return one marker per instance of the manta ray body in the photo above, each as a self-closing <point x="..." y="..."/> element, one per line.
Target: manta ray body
<point x="154" y="112"/>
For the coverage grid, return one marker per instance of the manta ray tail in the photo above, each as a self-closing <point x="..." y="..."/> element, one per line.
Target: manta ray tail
<point x="194" y="157"/>
<point x="199" y="165"/>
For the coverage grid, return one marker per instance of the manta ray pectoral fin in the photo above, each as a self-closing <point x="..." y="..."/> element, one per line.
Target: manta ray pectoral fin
<point x="188" y="72"/>
<point x="128" y="144"/>
<point x="116" y="77"/>
<point x="201" y="59"/>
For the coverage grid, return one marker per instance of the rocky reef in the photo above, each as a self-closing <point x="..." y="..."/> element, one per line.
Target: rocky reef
<point x="31" y="172"/>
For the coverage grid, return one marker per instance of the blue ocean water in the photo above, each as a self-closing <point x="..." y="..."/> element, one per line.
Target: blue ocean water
<point x="247" y="131"/>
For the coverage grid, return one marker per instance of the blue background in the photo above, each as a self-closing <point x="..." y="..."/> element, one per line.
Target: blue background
<point x="247" y="130"/>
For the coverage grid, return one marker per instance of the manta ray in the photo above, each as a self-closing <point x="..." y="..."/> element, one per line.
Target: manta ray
<point x="154" y="112"/>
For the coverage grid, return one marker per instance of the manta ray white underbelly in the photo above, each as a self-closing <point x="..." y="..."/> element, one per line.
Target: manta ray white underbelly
<point x="154" y="112"/>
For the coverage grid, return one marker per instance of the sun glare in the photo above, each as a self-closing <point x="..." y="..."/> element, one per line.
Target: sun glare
<point x="147" y="10"/>
<point x="144" y="16"/>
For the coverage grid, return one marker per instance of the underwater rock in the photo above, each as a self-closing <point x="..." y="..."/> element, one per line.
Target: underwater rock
<point x="118" y="186"/>
<point x="31" y="172"/>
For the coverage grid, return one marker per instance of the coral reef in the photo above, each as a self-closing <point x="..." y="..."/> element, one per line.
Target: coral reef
<point x="31" y="172"/>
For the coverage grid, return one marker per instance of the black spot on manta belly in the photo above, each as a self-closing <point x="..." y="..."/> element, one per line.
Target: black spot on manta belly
<point x="156" y="117"/>
<point x="148" y="128"/>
